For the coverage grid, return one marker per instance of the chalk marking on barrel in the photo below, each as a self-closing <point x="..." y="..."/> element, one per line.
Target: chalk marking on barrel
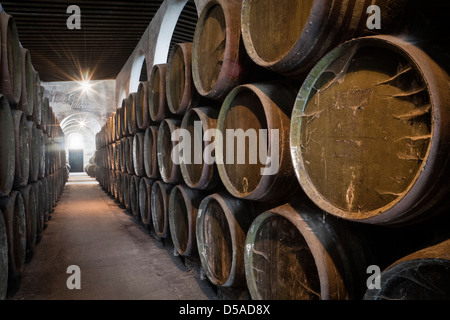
<point x="350" y="194"/>
<point x="406" y="94"/>
<point x="394" y="77"/>
<point x="384" y="193"/>
<point x="260" y="253"/>
<point x="415" y="138"/>
<point x="313" y="115"/>
<point x="409" y="157"/>
<point x="418" y="112"/>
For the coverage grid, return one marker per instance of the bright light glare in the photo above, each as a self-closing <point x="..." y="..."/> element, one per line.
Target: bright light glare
<point x="85" y="85"/>
<point x="75" y="141"/>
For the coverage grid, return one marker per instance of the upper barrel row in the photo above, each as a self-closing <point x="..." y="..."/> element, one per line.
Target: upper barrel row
<point x="367" y="131"/>
<point x="20" y="82"/>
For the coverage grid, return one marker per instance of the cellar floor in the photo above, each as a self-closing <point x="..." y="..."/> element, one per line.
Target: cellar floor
<point x="117" y="260"/>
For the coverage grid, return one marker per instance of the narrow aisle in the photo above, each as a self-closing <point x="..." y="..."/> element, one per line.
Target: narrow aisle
<point x="116" y="258"/>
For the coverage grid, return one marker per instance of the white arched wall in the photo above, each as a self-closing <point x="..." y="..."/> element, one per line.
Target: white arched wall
<point x="153" y="46"/>
<point x="71" y="125"/>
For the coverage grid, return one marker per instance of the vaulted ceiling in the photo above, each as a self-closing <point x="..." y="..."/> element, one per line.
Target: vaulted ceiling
<point x="110" y="30"/>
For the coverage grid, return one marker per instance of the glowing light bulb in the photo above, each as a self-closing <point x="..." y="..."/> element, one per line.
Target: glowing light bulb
<point x="85" y="85"/>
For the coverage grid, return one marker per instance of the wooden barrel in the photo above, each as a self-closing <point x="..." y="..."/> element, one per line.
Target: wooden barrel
<point x="421" y="275"/>
<point x="134" y="197"/>
<point x="14" y="216"/>
<point x="37" y="105"/>
<point x="112" y="126"/>
<point x="183" y="207"/>
<point x="42" y="160"/>
<point x="118" y="124"/>
<point x="33" y="134"/>
<point x="39" y="212"/>
<point x="29" y="201"/>
<point x="157" y="100"/>
<point x="119" y="176"/>
<point x="91" y="170"/>
<point x="145" y="193"/>
<point x="180" y="90"/>
<point x="222" y="225"/>
<point x="22" y="148"/>
<point x="117" y="153"/>
<point x="11" y="60"/>
<point x="26" y="102"/>
<point x="169" y="171"/>
<point x="218" y="56"/>
<point x="290" y="36"/>
<point x="260" y="167"/>
<point x="159" y="204"/>
<point x="126" y="190"/>
<point x="131" y="113"/>
<point x="150" y="152"/>
<point x="3" y="259"/>
<point x="196" y="172"/>
<point x="123" y="117"/>
<point x="295" y="252"/>
<point x="138" y="154"/>
<point x="128" y="153"/>
<point x="142" y="116"/>
<point x="7" y="148"/>
<point x="122" y="155"/>
<point x="370" y="137"/>
<point x="44" y="114"/>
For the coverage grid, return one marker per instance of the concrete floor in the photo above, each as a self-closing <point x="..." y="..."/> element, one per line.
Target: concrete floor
<point x="118" y="261"/>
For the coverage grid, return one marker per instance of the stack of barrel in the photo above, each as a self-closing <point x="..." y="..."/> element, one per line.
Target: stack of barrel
<point x="345" y="153"/>
<point x="32" y="158"/>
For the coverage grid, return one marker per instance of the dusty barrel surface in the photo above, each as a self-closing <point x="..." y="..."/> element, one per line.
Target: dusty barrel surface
<point x="119" y="176"/>
<point x="128" y="154"/>
<point x="37" y="105"/>
<point x="218" y="57"/>
<point x="15" y="220"/>
<point x="168" y="169"/>
<point x="180" y="89"/>
<point x="151" y="153"/>
<point x="160" y="208"/>
<point x="11" y="60"/>
<point x="123" y="117"/>
<point x="131" y="113"/>
<point x="134" y="197"/>
<point x="260" y="167"/>
<point x="34" y="151"/>
<point x="422" y="275"/>
<point x="157" y="99"/>
<point x="42" y="154"/>
<point x="145" y="196"/>
<point x="183" y="208"/>
<point x="26" y="102"/>
<point x="138" y="154"/>
<point x="222" y="225"/>
<point x="3" y="258"/>
<point x="290" y="36"/>
<point x="293" y="252"/>
<point x="7" y="148"/>
<point x="29" y="199"/>
<point x="39" y="212"/>
<point x="370" y="136"/>
<point x="118" y="124"/>
<point x="126" y="190"/>
<point x="122" y="155"/>
<point x="142" y="115"/>
<point x="22" y="148"/>
<point x="198" y="173"/>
